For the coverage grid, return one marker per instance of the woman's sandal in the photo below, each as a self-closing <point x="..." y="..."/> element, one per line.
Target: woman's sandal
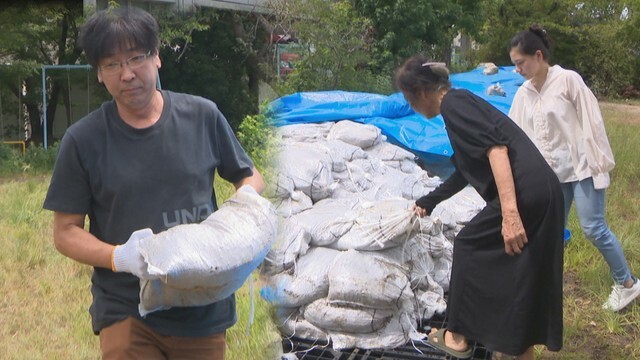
<point x="436" y="340"/>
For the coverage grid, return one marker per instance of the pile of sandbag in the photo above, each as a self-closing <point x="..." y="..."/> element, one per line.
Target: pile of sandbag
<point x="199" y="264"/>
<point x="352" y="264"/>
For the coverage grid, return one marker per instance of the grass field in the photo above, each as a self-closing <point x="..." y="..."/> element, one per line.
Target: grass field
<point x="45" y="296"/>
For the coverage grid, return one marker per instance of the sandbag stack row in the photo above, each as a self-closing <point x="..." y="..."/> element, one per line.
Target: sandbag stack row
<point x="352" y="263"/>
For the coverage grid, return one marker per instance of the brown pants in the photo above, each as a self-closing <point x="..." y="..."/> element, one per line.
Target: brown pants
<point x="131" y="339"/>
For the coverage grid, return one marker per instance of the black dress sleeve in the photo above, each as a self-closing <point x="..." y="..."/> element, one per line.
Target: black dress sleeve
<point x="447" y="189"/>
<point x="473" y="123"/>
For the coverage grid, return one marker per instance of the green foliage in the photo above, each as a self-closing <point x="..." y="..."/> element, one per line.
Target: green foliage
<point x="34" y="34"/>
<point x="36" y="160"/>
<point x="506" y="17"/>
<point x="177" y="28"/>
<point x="598" y="39"/>
<point x="40" y="159"/>
<point x="334" y="49"/>
<point x="258" y="138"/>
<point x="402" y="28"/>
<point x="217" y="65"/>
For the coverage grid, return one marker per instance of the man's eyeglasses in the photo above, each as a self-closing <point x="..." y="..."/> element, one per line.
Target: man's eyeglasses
<point x="133" y="63"/>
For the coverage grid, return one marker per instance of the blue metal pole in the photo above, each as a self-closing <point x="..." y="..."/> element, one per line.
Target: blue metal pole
<point x="44" y="106"/>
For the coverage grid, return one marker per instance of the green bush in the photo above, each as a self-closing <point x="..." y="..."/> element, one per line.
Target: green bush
<point x="36" y="160"/>
<point x="41" y="159"/>
<point x="257" y="135"/>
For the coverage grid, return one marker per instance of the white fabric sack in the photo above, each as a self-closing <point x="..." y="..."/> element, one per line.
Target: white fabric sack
<point x="298" y="326"/>
<point x="207" y="262"/>
<point x="310" y="170"/>
<point x="386" y="151"/>
<point x="291" y="243"/>
<point x="372" y="166"/>
<point x="353" y="320"/>
<point x="353" y="179"/>
<point x="308" y="281"/>
<point x="281" y="188"/>
<point x="386" y="185"/>
<point x="429" y="303"/>
<point x="345" y="151"/>
<point x="328" y="220"/>
<point x="398" y="331"/>
<point x="414" y="256"/>
<point x="442" y="272"/>
<point x="366" y="279"/>
<point x="380" y="225"/>
<point x="351" y="132"/>
<point x="460" y="208"/>
<point x="329" y="155"/>
<point x="296" y="203"/>
<point x="305" y="132"/>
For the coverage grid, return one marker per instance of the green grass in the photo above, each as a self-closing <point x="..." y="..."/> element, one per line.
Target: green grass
<point x="44" y="296"/>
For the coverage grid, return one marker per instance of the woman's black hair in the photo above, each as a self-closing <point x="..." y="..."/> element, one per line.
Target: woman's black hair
<point x="417" y="74"/>
<point x="110" y="31"/>
<point x="531" y="40"/>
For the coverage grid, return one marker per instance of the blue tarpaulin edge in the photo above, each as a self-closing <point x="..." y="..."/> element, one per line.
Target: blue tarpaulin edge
<point x="391" y="113"/>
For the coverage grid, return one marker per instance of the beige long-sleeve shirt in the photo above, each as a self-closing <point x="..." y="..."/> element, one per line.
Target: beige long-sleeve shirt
<point x="565" y="123"/>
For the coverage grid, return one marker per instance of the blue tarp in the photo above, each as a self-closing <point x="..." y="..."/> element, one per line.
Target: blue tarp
<point x="392" y="114"/>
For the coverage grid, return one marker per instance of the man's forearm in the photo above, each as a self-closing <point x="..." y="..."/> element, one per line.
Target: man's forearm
<point x="72" y="240"/>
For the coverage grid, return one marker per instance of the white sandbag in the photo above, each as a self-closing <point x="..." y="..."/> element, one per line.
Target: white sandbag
<point x="386" y="151"/>
<point x="291" y="243"/>
<point x="460" y="208"/>
<point x="203" y="263"/>
<point x="386" y="185"/>
<point x="372" y="166"/>
<point x="300" y="328"/>
<point x="442" y="272"/>
<point x="439" y="247"/>
<point x="429" y="303"/>
<point x="488" y="68"/>
<point x="310" y="170"/>
<point x="305" y="132"/>
<point x="281" y="188"/>
<point x="296" y="203"/>
<point x="380" y="225"/>
<point x="355" y="181"/>
<point x="433" y="275"/>
<point x="416" y="186"/>
<point x="398" y="332"/>
<point x="336" y="160"/>
<point x="361" y="320"/>
<point x="360" y="135"/>
<point x="346" y="151"/>
<point x="327" y="221"/>
<point x="366" y="279"/>
<point x="338" y="151"/>
<point x="309" y="280"/>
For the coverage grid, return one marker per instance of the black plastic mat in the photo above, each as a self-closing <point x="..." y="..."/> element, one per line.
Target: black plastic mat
<point x="310" y="350"/>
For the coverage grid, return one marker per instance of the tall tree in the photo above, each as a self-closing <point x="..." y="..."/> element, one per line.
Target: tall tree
<point x="222" y="62"/>
<point x="595" y="38"/>
<point x="335" y="46"/>
<point x="403" y="28"/>
<point x="34" y="34"/>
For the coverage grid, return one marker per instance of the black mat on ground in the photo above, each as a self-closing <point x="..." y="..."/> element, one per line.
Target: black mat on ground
<point x="310" y="350"/>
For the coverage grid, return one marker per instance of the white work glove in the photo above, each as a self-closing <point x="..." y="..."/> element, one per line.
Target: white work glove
<point x="127" y="257"/>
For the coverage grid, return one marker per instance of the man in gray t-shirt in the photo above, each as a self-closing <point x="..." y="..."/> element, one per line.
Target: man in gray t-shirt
<point x="145" y="160"/>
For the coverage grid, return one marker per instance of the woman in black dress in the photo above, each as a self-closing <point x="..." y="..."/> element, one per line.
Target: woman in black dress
<point x="506" y="279"/>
